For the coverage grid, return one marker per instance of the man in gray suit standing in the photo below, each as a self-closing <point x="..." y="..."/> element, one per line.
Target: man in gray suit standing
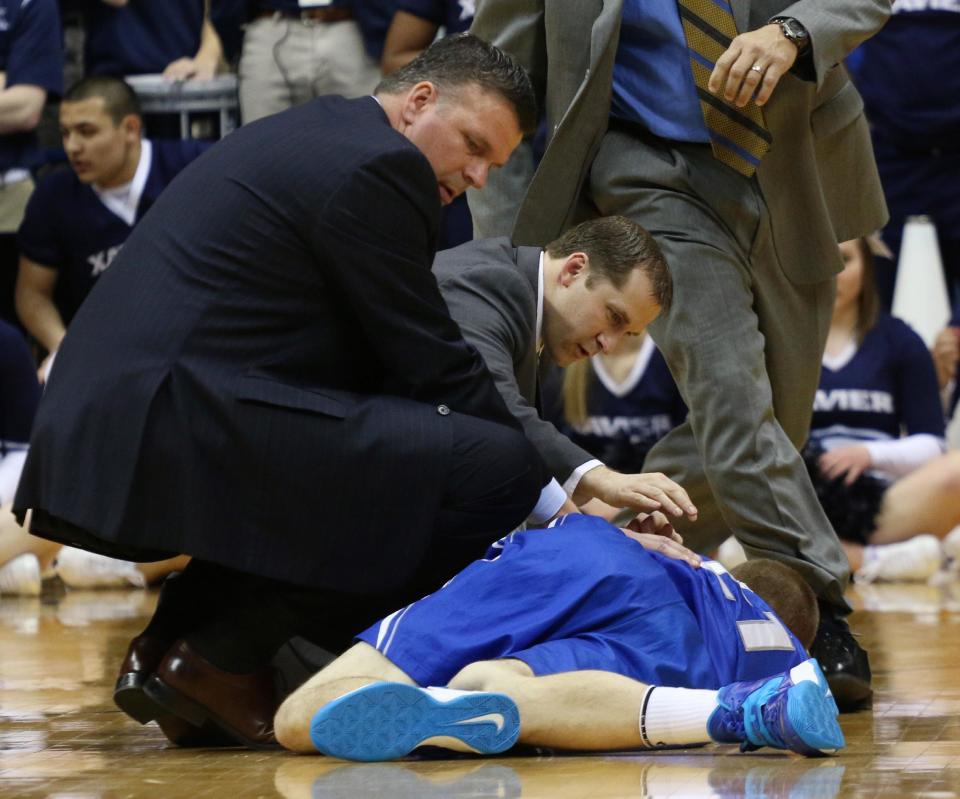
<point x="599" y="281"/>
<point x="731" y="133"/>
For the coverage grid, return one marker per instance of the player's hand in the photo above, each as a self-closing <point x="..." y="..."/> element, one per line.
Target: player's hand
<point x="665" y="546"/>
<point x="655" y="524"/>
<point x="946" y="353"/>
<point x="852" y="461"/>
<point x="642" y="492"/>
<point x="190" y="69"/>
<point x="733" y="76"/>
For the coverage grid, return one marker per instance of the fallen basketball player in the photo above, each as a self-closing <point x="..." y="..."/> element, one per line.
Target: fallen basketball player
<point x="578" y="637"/>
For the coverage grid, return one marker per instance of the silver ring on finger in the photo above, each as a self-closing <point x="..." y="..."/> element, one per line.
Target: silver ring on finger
<point x="757" y="68"/>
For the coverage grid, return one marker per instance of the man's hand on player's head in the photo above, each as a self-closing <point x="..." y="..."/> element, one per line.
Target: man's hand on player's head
<point x="642" y="492"/>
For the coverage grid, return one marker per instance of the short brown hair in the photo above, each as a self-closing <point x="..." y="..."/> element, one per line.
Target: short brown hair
<point x="119" y="100"/>
<point x="462" y="60"/>
<point x="616" y="246"/>
<point x="786" y="592"/>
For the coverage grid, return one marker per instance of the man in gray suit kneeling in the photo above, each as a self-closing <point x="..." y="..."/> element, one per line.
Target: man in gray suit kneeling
<point x="599" y="281"/>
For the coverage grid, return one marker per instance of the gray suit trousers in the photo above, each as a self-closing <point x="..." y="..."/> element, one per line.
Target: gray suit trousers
<point x="744" y="344"/>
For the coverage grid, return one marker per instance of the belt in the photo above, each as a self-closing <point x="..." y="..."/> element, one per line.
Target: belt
<point x="14" y="176"/>
<point x="323" y="14"/>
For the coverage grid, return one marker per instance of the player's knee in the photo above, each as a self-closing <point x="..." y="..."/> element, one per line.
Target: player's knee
<point x="291" y="725"/>
<point x="489" y="675"/>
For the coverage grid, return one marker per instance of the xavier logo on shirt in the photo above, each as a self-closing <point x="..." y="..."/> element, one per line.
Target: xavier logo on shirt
<point x="100" y="261"/>
<point x="853" y="399"/>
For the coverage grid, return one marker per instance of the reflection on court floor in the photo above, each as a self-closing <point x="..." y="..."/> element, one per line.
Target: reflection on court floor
<point x="61" y="735"/>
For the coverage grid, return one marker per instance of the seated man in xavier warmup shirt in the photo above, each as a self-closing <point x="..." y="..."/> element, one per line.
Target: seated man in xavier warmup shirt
<point x="77" y="220"/>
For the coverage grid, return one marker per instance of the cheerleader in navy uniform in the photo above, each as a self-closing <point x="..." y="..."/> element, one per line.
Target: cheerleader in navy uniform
<point x="877" y="417"/>
<point x="618" y="405"/>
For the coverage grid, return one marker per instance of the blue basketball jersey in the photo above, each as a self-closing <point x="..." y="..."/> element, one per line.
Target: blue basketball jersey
<point x="887" y="389"/>
<point x="582" y="595"/>
<point x="68" y="228"/>
<point x="142" y="37"/>
<point x="909" y="75"/>
<point x="625" y="420"/>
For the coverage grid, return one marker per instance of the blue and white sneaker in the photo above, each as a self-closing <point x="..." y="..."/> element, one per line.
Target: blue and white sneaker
<point x="794" y="710"/>
<point x="386" y="720"/>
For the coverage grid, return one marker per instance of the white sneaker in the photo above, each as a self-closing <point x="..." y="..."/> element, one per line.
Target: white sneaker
<point x="80" y="569"/>
<point x="917" y="558"/>
<point x="21" y="576"/>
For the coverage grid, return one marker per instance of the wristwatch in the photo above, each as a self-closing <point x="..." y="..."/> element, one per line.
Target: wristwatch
<point x="795" y="32"/>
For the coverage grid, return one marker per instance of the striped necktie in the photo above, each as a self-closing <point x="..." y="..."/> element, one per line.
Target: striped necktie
<point x="738" y="136"/>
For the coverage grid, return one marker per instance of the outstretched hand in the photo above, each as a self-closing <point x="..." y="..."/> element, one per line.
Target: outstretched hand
<point x="753" y="65"/>
<point x="642" y="492"/>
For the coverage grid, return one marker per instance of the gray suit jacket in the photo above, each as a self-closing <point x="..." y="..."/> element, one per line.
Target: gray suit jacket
<point x="490" y="288"/>
<point x="819" y="179"/>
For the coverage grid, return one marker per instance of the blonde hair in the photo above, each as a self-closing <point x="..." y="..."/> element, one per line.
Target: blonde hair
<point x="576" y="380"/>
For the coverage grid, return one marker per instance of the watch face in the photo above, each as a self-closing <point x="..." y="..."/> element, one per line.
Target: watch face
<point x="793" y="30"/>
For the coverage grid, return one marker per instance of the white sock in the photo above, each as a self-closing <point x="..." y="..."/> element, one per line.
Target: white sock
<point x="672" y="716"/>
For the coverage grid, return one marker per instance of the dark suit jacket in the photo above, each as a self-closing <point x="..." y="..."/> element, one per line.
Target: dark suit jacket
<point x="490" y="288"/>
<point x="256" y="379"/>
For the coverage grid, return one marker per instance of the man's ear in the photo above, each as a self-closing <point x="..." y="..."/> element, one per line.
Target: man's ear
<point x="132" y="125"/>
<point x="576" y="266"/>
<point x="419" y="98"/>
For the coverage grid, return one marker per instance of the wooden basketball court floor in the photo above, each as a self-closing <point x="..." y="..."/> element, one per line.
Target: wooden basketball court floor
<point x="61" y="736"/>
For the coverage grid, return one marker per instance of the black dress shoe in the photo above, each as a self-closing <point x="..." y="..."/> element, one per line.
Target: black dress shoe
<point x="844" y="663"/>
<point x="143" y="656"/>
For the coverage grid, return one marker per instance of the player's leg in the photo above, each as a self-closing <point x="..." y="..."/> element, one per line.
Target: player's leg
<point x="572" y="710"/>
<point x="601" y="710"/>
<point x="358" y="666"/>
<point x="578" y="710"/>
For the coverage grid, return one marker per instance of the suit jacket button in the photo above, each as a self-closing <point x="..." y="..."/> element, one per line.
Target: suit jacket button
<point x="443" y="410"/>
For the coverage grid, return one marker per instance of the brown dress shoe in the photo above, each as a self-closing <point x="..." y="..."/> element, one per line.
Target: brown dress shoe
<point x="240" y="705"/>
<point x="143" y="656"/>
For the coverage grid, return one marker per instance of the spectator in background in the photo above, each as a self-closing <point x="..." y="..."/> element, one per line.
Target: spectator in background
<point x="909" y="76"/>
<point x="78" y="219"/>
<point x="374" y="18"/>
<point x="617" y="405"/>
<point x="295" y="51"/>
<point x="876" y="417"/>
<point x="415" y="25"/>
<point x="142" y="37"/>
<point x="31" y="66"/>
